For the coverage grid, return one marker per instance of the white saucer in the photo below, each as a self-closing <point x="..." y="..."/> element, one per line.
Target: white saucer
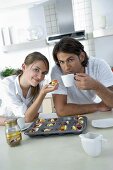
<point x="103" y="123"/>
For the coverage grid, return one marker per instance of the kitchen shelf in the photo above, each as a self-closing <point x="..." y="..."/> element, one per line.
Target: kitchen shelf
<point x="103" y="32"/>
<point x="25" y="45"/>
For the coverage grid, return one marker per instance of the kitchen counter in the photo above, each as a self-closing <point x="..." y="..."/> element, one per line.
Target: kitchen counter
<point x="57" y="152"/>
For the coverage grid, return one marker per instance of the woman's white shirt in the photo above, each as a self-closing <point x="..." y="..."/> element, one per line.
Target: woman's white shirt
<point x="13" y="102"/>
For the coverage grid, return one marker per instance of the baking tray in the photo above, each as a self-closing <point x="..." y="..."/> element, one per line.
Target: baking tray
<point x="56" y="126"/>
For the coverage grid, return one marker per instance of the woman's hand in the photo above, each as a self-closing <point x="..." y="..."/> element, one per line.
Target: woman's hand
<point x="53" y="85"/>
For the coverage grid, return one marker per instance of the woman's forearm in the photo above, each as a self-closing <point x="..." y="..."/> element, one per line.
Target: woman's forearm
<point x="32" y="111"/>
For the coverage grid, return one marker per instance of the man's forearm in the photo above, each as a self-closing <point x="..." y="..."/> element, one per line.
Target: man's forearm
<point x="74" y="109"/>
<point x="106" y="94"/>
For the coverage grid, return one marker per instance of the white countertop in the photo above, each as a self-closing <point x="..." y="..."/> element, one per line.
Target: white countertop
<point x="57" y="152"/>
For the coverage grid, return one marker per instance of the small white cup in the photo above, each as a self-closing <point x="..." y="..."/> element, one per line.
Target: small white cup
<point x="92" y="143"/>
<point x="21" y="122"/>
<point x="68" y="80"/>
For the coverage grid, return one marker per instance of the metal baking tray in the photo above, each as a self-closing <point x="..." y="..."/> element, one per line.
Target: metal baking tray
<point x="56" y="126"/>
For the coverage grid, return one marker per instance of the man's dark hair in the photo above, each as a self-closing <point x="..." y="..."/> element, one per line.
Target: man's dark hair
<point x="69" y="45"/>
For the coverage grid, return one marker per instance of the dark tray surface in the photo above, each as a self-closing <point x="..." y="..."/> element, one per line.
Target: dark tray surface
<point x="61" y="125"/>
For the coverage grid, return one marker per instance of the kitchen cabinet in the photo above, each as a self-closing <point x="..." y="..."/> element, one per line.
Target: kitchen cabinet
<point x="102" y="32"/>
<point x="14" y="3"/>
<point x="33" y="23"/>
<point x="19" y="35"/>
<point x="102" y="18"/>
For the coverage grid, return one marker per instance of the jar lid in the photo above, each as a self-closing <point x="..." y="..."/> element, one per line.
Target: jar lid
<point x="11" y="121"/>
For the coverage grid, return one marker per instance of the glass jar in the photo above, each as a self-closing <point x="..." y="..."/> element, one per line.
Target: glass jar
<point x="12" y="131"/>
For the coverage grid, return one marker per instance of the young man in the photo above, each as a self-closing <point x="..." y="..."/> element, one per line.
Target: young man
<point x="93" y="77"/>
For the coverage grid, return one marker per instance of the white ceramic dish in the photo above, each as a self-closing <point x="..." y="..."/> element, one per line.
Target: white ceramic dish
<point x="103" y="123"/>
<point x="26" y="126"/>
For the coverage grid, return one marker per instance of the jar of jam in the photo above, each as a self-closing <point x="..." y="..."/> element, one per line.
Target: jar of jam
<point x="12" y="131"/>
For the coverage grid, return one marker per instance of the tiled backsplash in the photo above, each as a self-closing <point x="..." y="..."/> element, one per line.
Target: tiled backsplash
<point x="82" y="12"/>
<point x="50" y="17"/>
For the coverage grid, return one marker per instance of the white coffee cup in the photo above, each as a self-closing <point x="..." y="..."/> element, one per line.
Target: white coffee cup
<point x="68" y="80"/>
<point x="21" y="122"/>
<point x="92" y="143"/>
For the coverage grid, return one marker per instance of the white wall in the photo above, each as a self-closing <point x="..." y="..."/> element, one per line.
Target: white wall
<point x="104" y="49"/>
<point x="16" y="58"/>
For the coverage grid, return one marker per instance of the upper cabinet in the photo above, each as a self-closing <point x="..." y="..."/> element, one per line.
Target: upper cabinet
<point x="30" y="21"/>
<point x="102" y="17"/>
<point x="24" y="24"/>
<point x="14" y="3"/>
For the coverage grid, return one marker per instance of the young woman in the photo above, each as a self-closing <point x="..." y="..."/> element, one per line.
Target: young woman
<point x="22" y="94"/>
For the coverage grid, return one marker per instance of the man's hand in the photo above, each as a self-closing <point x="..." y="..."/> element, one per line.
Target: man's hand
<point x="102" y="107"/>
<point x="85" y="82"/>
